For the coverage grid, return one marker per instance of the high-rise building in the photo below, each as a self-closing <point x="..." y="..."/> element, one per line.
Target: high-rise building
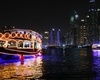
<point x="82" y="33"/>
<point x="98" y="17"/>
<point x="58" y="40"/>
<point x="86" y="31"/>
<point x="92" y="27"/>
<point x="45" y="38"/>
<point x="52" y="37"/>
<point x="74" y="25"/>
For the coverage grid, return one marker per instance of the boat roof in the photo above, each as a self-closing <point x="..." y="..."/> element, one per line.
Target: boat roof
<point x="27" y="30"/>
<point x="20" y="29"/>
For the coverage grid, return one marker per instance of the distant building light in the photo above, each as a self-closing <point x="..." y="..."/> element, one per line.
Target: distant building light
<point x="13" y="27"/>
<point x="46" y="32"/>
<point x="76" y="16"/>
<point x="82" y="20"/>
<point x="87" y="16"/>
<point x="72" y="19"/>
<point x="53" y="29"/>
<point x="98" y="9"/>
<point x="46" y="37"/>
<point x="59" y="29"/>
<point x="63" y="45"/>
<point x="92" y="10"/>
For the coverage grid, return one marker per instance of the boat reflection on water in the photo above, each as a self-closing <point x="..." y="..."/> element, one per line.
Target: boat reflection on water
<point x="31" y="68"/>
<point x="77" y="64"/>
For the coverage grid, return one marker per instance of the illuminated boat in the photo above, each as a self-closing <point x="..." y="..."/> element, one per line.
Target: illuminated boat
<point x="96" y="46"/>
<point x="20" y="41"/>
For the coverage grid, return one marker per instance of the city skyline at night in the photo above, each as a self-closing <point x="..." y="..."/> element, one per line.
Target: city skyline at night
<point x="42" y="15"/>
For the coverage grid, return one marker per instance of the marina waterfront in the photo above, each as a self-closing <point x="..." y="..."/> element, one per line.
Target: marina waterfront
<point x="73" y="64"/>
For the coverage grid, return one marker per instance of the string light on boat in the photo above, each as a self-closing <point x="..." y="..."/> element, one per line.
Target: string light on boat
<point x="21" y="35"/>
<point x="25" y="36"/>
<point x="39" y="40"/>
<point x="13" y="34"/>
<point x="34" y="37"/>
<point x="29" y="36"/>
<point x="1" y="35"/>
<point x="6" y="35"/>
<point x="18" y="35"/>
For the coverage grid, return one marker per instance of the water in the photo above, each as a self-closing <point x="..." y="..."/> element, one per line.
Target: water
<point x="74" y="64"/>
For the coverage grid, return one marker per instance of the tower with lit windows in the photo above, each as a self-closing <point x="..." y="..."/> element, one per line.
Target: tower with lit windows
<point x="82" y="33"/>
<point x="93" y="29"/>
<point x="45" y="38"/>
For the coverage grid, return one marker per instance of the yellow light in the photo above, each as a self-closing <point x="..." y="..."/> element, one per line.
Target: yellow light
<point x="1" y="35"/>
<point x="18" y="35"/>
<point x="46" y="32"/>
<point x="6" y="35"/>
<point x="13" y="34"/>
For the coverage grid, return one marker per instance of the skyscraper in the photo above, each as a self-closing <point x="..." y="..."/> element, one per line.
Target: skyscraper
<point x="74" y="24"/>
<point x="45" y="38"/>
<point x="52" y="37"/>
<point x="93" y="35"/>
<point x="58" y="42"/>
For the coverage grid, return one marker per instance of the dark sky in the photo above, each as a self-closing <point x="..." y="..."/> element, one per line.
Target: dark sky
<point x="41" y="15"/>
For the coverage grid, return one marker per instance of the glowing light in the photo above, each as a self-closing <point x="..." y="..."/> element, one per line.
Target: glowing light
<point x="76" y="16"/>
<point x="18" y="35"/>
<point x="82" y="20"/>
<point x="46" y="32"/>
<point x="87" y="16"/>
<point x="98" y="10"/>
<point x="72" y="19"/>
<point x="32" y="68"/>
<point x="18" y="45"/>
<point x="6" y="35"/>
<point x="96" y="53"/>
<point x="13" y="34"/>
<point x="1" y="35"/>
<point x="53" y="29"/>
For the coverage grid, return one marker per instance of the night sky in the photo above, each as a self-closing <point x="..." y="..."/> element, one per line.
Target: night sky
<point x="41" y="15"/>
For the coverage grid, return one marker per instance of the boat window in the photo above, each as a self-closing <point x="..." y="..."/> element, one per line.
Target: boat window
<point x="35" y="44"/>
<point x="20" y="44"/>
<point x="2" y="43"/>
<point x="12" y="43"/>
<point x="27" y="44"/>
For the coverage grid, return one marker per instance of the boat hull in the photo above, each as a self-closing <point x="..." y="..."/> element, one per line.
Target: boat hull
<point x="18" y="51"/>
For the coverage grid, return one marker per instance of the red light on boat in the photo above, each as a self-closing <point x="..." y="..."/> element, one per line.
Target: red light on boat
<point x="21" y="57"/>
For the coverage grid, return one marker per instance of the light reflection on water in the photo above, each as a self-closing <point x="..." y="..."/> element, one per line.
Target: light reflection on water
<point x="30" y="69"/>
<point x="96" y="65"/>
<point x="72" y="65"/>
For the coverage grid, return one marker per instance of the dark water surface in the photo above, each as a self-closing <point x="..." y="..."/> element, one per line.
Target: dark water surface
<point x="73" y="64"/>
